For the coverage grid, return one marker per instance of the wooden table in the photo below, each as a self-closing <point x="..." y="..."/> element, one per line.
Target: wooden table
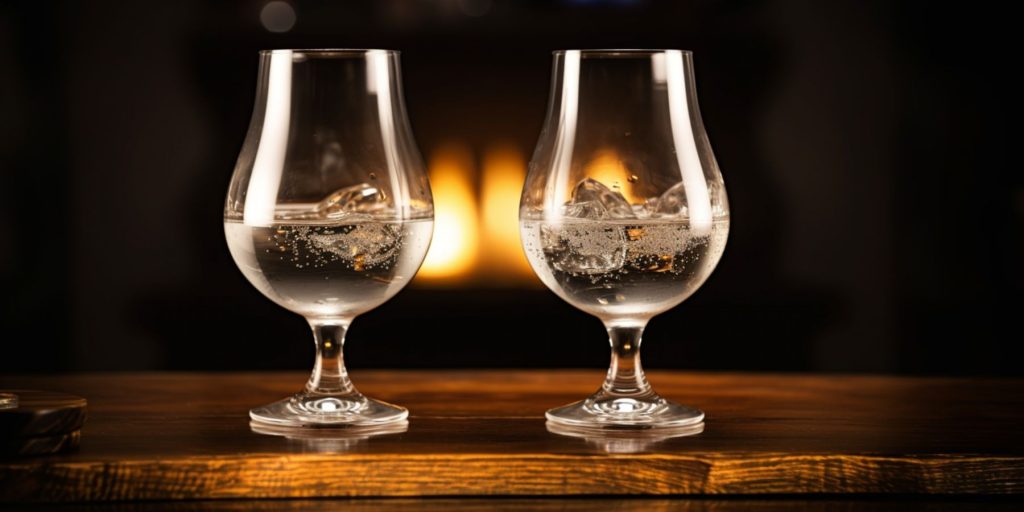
<point x="176" y="436"/>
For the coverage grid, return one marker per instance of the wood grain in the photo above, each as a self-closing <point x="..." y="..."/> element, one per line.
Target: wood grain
<point x="703" y="504"/>
<point x="186" y="436"/>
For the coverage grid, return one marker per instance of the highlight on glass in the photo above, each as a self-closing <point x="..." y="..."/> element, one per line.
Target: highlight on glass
<point x="624" y="214"/>
<point x="329" y="212"/>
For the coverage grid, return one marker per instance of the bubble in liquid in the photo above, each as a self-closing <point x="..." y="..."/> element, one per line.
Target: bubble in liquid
<point x="584" y="248"/>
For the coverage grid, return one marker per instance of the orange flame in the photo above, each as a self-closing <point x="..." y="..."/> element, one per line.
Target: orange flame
<point x="470" y="243"/>
<point x="453" y="250"/>
<point x="504" y="171"/>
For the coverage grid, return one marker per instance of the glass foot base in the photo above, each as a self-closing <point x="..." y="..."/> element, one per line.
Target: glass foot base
<point x="604" y="411"/>
<point x="324" y="411"/>
<point x="330" y="439"/>
<point x="620" y="440"/>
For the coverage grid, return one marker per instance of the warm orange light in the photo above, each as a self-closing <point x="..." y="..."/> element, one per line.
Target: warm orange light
<point x="607" y="167"/>
<point x="504" y="169"/>
<point x="453" y="250"/>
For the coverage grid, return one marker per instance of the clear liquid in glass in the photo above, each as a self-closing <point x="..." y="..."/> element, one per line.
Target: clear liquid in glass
<point x="329" y="268"/>
<point x="623" y="268"/>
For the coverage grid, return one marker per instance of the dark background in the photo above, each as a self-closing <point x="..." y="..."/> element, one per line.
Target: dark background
<point x="869" y="150"/>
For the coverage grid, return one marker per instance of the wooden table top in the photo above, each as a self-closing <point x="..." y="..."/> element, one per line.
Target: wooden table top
<point x="169" y="436"/>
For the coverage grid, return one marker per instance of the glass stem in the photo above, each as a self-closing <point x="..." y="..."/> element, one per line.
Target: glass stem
<point x="329" y="374"/>
<point x="626" y="375"/>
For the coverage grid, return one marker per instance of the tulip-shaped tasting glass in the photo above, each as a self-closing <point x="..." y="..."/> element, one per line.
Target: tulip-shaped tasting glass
<point x="624" y="213"/>
<point x="329" y="212"/>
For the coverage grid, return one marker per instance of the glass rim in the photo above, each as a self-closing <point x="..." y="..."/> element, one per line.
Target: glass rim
<point x="622" y="52"/>
<point x="329" y="51"/>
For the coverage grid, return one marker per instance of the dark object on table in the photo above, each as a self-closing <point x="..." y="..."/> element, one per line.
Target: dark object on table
<point x="41" y="422"/>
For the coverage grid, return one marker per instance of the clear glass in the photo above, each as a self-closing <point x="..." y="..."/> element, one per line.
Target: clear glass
<point x="328" y="439"/>
<point x="329" y="212"/>
<point x="624" y="213"/>
<point x="625" y="440"/>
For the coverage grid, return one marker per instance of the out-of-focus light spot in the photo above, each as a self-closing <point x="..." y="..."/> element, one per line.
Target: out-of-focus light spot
<point x="277" y="16"/>
<point x="475" y="8"/>
<point x="8" y="401"/>
<point x="504" y="170"/>
<point x="453" y="250"/>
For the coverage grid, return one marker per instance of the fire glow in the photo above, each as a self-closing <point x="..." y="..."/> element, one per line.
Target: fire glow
<point x="454" y="247"/>
<point x="476" y="236"/>
<point x="606" y="167"/>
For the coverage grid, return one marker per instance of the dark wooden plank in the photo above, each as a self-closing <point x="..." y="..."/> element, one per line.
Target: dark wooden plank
<point x="551" y="505"/>
<point x="186" y="436"/>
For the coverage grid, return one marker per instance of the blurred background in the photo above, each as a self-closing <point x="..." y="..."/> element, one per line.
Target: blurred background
<point x="877" y="212"/>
